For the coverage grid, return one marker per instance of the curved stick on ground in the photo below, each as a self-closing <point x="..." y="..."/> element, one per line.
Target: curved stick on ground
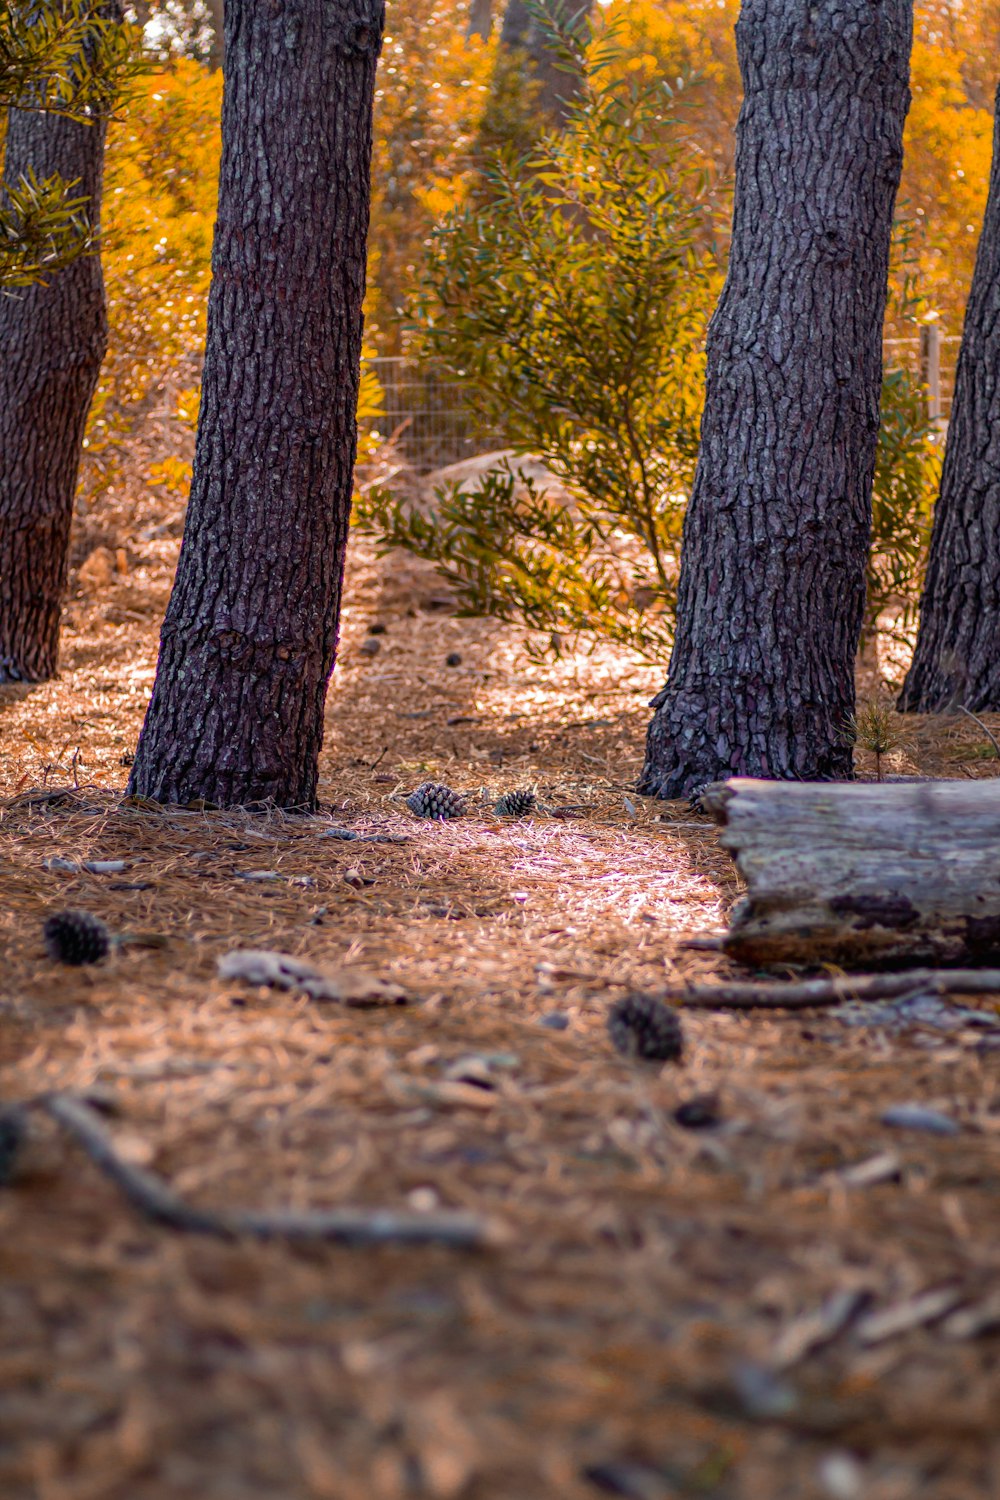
<point x="154" y="1200"/>
<point x="806" y="993"/>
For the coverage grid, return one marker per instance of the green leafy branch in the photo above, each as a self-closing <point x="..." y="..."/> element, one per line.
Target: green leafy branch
<point x="68" y="57"/>
<point x="43" y="228"/>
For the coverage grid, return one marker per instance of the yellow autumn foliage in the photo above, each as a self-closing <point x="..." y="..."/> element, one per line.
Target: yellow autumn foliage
<point x="433" y="88"/>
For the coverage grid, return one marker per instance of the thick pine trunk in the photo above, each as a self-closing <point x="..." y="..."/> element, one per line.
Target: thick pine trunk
<point x="863" y="874"/>
<point x="52" y="344"/>
<point x="957" y="660"/>
<point x="773" y="562"/>
<point x="248" y="641"/>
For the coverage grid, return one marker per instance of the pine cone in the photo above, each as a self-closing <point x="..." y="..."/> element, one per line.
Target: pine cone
<point x="76" y="937"/>
<point x="642" y="1026"/>
<point x="12" y="1137"/>
<point x="432" y="800"/>
<point x="519" y="804"/>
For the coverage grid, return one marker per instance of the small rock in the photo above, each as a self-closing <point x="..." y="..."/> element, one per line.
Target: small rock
<point x="377" y="628"/>
<point x="762" y="1393"/>
<point x="555" y="1020"/>
<point x="370" y="647"/>
<point x="699" y="1112"/>
<point x="631" y="1481"/>
<point x="918" y="1117"/>
<point x="841" y="1476"/>
<point x="453" y="659"/>
<point x="97" y="570"/>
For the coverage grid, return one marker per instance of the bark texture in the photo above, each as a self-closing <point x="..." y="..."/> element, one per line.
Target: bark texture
<point x="863" y="874"/>
<point x="775" y="540"/>
<point x="52" y="343"/>
<point x="957" y="659"/>
<point x="248" y="641"/>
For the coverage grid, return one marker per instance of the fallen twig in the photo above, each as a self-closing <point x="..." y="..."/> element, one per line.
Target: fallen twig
<point x="804" y="994"/>
<point x="977" y="720"/>
<point x="156" y="1201"/>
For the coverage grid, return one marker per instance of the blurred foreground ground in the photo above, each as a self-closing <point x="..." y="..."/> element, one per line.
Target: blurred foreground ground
<point x="647" y="1332"/>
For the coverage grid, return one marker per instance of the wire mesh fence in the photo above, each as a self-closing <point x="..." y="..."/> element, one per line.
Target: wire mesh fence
<point x="933" y="355"/>
<point x="429" y="414"/>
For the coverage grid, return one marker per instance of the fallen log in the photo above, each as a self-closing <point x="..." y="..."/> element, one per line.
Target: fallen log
<point x="862" y="874"/>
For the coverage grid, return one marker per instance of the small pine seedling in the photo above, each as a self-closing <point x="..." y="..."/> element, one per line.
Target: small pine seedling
<point x="76" y="937"/>
<point x="642" y="1026"/>
<point x="872" y="728"/>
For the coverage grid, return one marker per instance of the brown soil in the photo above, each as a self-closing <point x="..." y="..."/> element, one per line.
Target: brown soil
<point x="644" y="1330"/>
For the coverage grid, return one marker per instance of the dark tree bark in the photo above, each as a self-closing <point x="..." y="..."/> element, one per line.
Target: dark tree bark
<point x="773" y="564"/>
<point x="248" y="642"/>
<point x="957" y="659"/>
<point x="52" y="344"/>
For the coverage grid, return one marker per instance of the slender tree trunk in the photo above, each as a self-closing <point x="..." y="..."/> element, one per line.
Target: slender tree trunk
<point x="480" y="18"/>
<point x="521" y="33"/>
<point x="217" y="50"/>
<point x="52" y="344"/>
<point x="248" y="642"/>
<point x="773" y="564"/>
<point x="957" y="660"/>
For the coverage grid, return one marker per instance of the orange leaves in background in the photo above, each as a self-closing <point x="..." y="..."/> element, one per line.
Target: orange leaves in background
<point x="434" y="85"/>
<point x="160" y="198"/>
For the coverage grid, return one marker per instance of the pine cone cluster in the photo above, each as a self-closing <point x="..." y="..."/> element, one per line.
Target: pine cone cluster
<point x="642" y="1026"/>
<point x="432" y="800"/>
<point x="518" y="804"/>
<point x="76" y="937"/>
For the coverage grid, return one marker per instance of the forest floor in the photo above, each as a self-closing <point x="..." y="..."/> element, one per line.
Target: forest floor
<point x="670" y="1312"/>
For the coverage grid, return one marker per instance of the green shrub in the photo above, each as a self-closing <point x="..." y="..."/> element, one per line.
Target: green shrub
<point x="907" y="472"/>
<point x="571" y="296"/>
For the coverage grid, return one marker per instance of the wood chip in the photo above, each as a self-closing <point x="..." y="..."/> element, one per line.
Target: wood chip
<point x="355" y="987"/>
<point x="916" y="1312"/>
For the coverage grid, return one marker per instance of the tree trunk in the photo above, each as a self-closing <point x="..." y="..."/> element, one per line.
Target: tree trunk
<point x="248" y="642"/>
<point x="957" y="660"/>
<point x="217" y="49"/>
<point x="52" y="343"/>
<point x="865" y="873"/>
<point x="480" y="18"/>
<point x="773" y="564"/>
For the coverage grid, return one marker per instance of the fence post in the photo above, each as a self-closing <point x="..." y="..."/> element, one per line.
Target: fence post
<point x="930" y="370"/>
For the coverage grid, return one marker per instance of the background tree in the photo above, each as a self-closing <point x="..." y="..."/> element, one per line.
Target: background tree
<point x="776" y="536"/>
<point x="957" y="660"/>
<point x="524" y="33"/>
<point x="69" y="58"/>
<point x="53" y="336"/>
<point x="247" y="646"/>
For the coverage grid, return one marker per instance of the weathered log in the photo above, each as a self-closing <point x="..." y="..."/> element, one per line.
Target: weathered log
<point x="862" y="873"/>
